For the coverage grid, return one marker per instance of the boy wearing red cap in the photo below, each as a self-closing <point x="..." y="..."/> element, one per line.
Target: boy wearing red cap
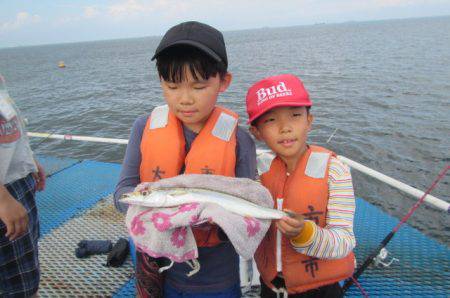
<point x="189" y="135"/>
<point x="305" y="255"/>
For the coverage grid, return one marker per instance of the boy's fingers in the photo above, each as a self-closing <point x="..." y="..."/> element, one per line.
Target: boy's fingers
<point x="286" y="229"/>
<point x="281" y="228"/>
<point x="283" y="225"/>
<point x="38" y="180"/>
<point x="41" y="184"/>
<point x="288" y="234"/>
<point x="20" y="228"/>
<point x="293" y="214"/>
<point x="294" y="222"/>
<point x="9" y="229"/>
<point x="290" y="213"/>
<point x="16" y="232"/>
<point x="16" y="228"/>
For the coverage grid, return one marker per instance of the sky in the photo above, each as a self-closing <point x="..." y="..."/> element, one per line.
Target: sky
<point x="34" y="22"/>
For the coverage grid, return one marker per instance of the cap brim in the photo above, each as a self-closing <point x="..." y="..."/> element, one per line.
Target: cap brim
<point x="193" y="43"/>
<point x="276" y="105"/>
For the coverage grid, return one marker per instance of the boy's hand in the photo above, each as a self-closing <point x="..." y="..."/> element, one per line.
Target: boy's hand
<point x="13" y="214"/>
<point x="39" y="177"/>
<point x="291" y="226"/>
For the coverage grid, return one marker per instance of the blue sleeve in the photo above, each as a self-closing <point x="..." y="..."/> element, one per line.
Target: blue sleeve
<point x="129" y="175"/>
<point x="246" y="155"/>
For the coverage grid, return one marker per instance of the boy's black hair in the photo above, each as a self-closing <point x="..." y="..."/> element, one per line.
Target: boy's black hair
<point x="255" y="122"/>
<point x="174" y="61"/>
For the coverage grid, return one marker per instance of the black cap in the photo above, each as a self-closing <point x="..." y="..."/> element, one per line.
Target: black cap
<point x="199" y="35"/>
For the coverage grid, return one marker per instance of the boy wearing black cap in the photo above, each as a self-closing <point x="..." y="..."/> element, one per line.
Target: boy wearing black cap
<point x="190" y="134"/>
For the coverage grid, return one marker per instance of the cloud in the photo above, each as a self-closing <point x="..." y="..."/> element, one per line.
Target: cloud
<point x="23" y="18"/>
<point x="394" y="3"/>
<point x="387" y="3"/>
<point x="145" y="8"/>
<point x="131" y="7"/>
<point x="90" y="12"/>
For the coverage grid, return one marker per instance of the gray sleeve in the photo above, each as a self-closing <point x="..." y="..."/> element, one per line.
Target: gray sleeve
<point x="246" y="155"/>
<point x="129" y="175"/>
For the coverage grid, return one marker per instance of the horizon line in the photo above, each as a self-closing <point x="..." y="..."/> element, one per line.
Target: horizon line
<point x="225" y="31"/>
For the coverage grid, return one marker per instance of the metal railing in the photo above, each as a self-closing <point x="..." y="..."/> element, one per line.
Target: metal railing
<point x="416" y="193"/>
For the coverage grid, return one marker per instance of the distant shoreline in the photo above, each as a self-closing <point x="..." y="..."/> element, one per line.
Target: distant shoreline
<point x="230" y="31"/>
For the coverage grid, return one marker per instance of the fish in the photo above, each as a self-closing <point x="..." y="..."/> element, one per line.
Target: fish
<point x="171" y="197"/>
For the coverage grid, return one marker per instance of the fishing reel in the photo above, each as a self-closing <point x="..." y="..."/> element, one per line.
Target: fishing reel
<point x="384" y="259"/>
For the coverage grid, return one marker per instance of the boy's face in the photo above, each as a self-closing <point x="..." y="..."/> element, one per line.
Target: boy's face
<point x="285" y="131"/>
<point x="191" y="100"/>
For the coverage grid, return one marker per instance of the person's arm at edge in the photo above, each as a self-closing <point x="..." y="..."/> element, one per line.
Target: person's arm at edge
<point x="39" y="176"/>
<point x="129" y="174"/>
<point x="13" y="214"/>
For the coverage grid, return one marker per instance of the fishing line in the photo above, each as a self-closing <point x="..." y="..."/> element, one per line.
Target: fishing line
<point x="388" y="238"/>
<point x="45" y="139"/>
<point x="332" y="135"/>
<point x="47" y="175"/>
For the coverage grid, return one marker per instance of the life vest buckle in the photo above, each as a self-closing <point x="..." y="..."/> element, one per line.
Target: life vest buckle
<point x="281" y="292"/>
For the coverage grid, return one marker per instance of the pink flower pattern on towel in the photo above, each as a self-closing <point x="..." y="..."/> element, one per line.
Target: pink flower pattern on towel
<point x="194" y="219"/>
<point x="188" y="207"/>
<point x="169" y="231"/>
<point x="161" y="221"/>
<point x="253" y="226"/>
<point x="178" y="237"/>
<point x="137" y="226"/>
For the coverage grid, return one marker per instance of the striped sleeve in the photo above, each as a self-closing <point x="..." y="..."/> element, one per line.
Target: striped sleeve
<point x="336" y="240"/>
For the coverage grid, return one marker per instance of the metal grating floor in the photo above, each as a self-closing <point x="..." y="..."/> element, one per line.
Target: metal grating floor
<point x="423" y="269"/>
<point x="73" y="190"/>
<point x="70" y="210"/>
<point x="63" y="275"/>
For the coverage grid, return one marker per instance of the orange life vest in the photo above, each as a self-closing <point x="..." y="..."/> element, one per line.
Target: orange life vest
<point x="304" y="191"/>
<point x="212" y="152"/>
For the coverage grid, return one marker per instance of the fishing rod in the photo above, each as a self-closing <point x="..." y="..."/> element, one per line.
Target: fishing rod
<point x="389" y="236"/>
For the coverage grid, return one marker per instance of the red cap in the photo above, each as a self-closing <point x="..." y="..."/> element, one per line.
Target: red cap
<point x="278" y="91"/>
